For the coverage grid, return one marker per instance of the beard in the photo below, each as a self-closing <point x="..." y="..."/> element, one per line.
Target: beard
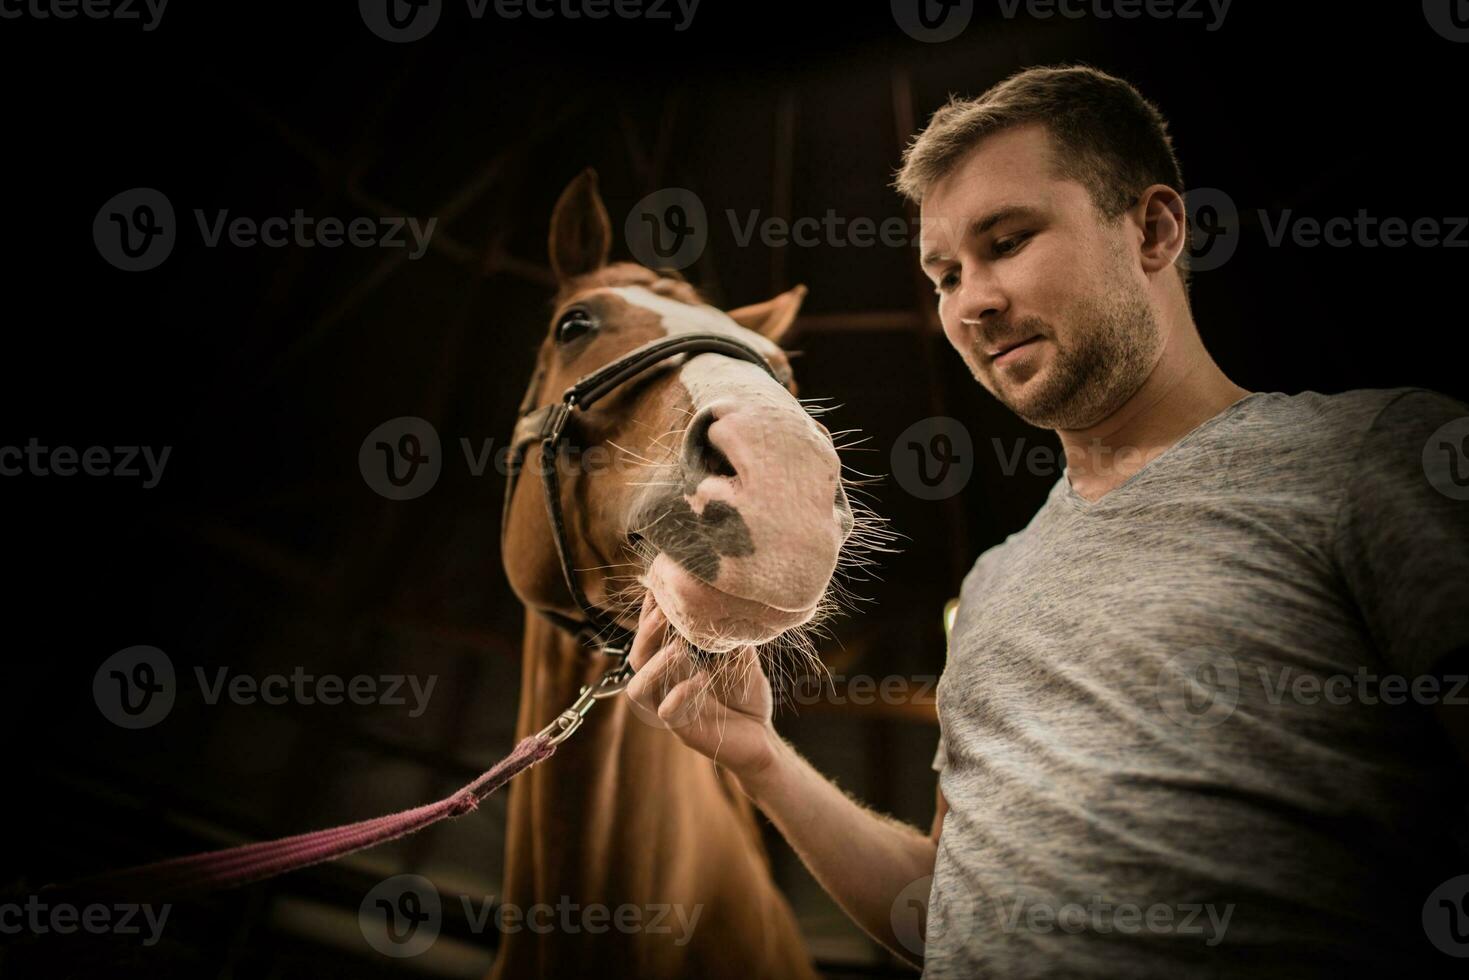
<point x="1113" y="349"/>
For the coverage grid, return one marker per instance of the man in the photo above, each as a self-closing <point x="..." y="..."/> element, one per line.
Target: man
<point x="1199" y="717"/>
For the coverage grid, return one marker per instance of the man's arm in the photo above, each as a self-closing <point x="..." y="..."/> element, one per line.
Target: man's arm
<point x="862" y="858"/>
<point x="1402" y="530"/>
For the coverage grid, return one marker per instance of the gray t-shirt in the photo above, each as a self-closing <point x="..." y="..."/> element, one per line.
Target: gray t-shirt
<point x="1168" y="741"/>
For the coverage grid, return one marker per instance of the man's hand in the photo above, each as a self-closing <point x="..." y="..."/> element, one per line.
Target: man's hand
<point x="721" y="710"/>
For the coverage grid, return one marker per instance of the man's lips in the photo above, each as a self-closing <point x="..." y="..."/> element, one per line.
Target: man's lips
<point x="996" y="353"/>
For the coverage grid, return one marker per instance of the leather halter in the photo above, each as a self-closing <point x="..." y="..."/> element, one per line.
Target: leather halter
<point x="549" y="426"/>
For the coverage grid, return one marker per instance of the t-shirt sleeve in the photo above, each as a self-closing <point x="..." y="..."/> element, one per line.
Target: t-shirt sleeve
<point x="1402" y="535"/>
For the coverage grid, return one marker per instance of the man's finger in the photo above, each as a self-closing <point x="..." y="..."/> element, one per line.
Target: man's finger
<point x="652" y="633"/>
<point x="664" y="670"/>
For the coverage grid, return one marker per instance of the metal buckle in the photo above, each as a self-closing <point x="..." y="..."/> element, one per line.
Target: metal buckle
<point x="613" y="682"/>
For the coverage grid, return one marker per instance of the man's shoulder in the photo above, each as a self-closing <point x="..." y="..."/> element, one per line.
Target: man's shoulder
<point x="1347" y="411"/>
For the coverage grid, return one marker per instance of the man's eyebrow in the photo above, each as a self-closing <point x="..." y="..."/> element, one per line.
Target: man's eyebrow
<point x="983" y="224"/>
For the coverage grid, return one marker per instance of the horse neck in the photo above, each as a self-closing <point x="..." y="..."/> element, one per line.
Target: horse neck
<point x="584" y="821"/>
<point x="625" y="813"/>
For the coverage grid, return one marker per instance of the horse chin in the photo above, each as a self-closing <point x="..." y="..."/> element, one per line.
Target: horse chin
<point x="712" y="619"/>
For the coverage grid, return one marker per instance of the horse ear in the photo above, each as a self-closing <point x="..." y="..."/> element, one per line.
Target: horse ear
<point x="581" y="232"/>
<point x="774" y="317"/>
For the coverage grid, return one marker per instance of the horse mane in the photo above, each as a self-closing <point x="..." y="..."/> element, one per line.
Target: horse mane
<point x="664" y="282"/>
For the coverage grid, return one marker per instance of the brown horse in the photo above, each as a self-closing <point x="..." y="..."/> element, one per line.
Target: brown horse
<point x="721" y="493"/>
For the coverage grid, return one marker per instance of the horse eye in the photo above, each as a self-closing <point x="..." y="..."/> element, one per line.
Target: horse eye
<point x="573" y="323"/>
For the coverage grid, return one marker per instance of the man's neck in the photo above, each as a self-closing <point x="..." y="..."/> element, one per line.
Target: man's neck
<point x="1184" y="390"/>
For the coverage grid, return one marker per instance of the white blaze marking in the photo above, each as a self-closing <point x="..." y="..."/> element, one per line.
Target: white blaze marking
<point x="708" y="378"/>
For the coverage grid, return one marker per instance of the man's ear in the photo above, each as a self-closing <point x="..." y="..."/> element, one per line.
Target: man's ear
<point x="774" y="317"/>
<point x="581" y="232"/>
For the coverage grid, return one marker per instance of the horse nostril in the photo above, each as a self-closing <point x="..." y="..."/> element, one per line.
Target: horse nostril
<point x="701" y="457"/>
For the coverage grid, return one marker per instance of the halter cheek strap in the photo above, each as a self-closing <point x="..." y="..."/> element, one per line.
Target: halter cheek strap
<point x="549" y="425"/>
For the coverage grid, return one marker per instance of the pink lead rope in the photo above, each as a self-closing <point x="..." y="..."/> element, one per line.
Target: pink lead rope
<point x="235" y="866"/>
<point x="254" y="861"/>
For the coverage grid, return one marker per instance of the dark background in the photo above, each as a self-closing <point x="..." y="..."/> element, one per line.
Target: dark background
<point x="264" y="549"/>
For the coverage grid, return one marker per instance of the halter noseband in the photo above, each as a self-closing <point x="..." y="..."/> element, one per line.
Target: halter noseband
<point x="548" y="425"/>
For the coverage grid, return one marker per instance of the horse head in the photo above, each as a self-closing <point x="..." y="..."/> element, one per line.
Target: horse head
<point x="704" y="479"/>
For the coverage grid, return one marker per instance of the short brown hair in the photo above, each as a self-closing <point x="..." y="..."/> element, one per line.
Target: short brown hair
<point x="1105" y="136"/>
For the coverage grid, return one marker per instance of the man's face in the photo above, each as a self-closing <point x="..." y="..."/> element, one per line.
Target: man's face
<point x="1043" y="298"/>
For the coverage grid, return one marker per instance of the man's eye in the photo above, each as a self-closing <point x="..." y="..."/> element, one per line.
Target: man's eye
<point x="948" y="281"/>
<point x="573" y="323"/>
<point x="1006" y="246"/>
